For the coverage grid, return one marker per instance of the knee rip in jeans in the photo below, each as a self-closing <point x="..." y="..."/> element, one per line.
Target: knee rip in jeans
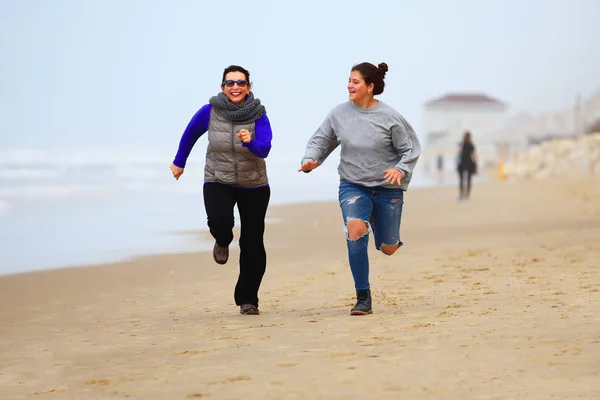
<point x="359" y="232"/>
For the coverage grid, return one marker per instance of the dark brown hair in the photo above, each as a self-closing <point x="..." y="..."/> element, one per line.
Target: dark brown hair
<point x="467" y="137"/>
<point x="373" y="74"/>
<point x="236" y="68"/>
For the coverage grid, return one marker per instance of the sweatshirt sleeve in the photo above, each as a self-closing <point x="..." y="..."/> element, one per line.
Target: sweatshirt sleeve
<point x="321" y="144"/>
<point x="261" y="145"/>
<point x="196" y="128"/>
<point x="407" y="145"/>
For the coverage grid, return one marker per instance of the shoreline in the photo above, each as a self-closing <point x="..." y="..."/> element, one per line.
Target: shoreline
<point x="203" y="242"/>
<point x="197" y="240"/>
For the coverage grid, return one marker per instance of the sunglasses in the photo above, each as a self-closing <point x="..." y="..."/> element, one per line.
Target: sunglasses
<point x="230" y="83"/>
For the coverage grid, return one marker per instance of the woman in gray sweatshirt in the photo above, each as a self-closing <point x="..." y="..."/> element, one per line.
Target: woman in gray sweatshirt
<point x="379" y="151"/>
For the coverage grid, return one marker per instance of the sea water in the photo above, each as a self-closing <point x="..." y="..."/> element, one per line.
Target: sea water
<point x="60" y="210"/>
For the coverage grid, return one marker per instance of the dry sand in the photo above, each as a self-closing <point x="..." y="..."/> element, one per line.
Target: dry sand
<point x="497" y="298"/>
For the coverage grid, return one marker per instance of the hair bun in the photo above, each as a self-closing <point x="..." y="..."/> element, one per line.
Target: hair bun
<point x="383" y="67"/>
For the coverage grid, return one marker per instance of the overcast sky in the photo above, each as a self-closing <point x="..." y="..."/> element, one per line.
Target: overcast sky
<point x="130" y="74"/>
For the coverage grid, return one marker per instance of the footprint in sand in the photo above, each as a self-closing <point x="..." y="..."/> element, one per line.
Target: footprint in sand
<point x="572" y="351"/>
<point x="238" y="378"/>
<point x="50" y="391"/>
<point x="290" y="364"/>
<point x="101" y="381"/>
<point x="421" y="325"/>
<point x="446" y="314"/>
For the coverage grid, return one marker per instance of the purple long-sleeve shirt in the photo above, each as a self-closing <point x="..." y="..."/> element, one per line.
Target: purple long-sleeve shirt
<point x="260" y="146"/>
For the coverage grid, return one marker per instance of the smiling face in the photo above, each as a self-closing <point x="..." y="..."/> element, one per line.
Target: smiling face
<point x="357" y="88"/>
<point x="238" y="91"/>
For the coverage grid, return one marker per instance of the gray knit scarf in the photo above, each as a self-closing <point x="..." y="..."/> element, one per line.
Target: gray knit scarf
<point x="247" y="112"/>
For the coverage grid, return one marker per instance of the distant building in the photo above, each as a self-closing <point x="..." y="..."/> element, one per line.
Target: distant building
<point x="446" y="119"/>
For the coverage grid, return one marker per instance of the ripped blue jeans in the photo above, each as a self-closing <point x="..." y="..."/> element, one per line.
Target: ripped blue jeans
<point x="381" y="209"/>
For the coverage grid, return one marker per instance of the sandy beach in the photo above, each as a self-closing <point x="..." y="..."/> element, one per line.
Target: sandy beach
<point x="496" y="298"/>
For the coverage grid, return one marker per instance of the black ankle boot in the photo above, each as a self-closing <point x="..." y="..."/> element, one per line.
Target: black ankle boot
<point x="363" y="303"/>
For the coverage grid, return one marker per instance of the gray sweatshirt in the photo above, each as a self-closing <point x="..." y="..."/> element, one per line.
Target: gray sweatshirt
<point x="372" y="139"/>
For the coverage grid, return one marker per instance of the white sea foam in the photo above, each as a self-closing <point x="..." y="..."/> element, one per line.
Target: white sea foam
<point x="39" y="174"/>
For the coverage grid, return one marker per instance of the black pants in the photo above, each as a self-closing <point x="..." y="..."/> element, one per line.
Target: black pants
<point x="464" y="176"/>
<point x="252" y="204"/>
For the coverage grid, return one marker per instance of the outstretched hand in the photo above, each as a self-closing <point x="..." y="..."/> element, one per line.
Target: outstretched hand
<point x="393" y="176"/>
<point x="308" y="166"/>
<point x="177" y="171"/>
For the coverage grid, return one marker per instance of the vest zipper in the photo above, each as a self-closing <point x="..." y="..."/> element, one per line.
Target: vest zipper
<point x="233" y="153"/>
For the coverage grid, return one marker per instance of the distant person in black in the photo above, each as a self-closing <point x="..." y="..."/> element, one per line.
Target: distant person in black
<point x="440" y="168"/>
<point x="467" y="165"/>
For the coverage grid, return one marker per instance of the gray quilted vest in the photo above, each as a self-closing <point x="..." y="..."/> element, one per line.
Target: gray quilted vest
<point x="227" y="161"/>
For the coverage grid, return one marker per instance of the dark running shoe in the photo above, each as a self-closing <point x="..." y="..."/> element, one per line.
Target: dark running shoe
<point x="248" y="309"/>
<point x="220" y="254"/>
<point x="363" y="303"/>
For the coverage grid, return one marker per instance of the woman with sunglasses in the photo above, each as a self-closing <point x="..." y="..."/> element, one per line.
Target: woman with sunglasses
<point x="239" y="140"/>
<point x="379" y="152"/>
